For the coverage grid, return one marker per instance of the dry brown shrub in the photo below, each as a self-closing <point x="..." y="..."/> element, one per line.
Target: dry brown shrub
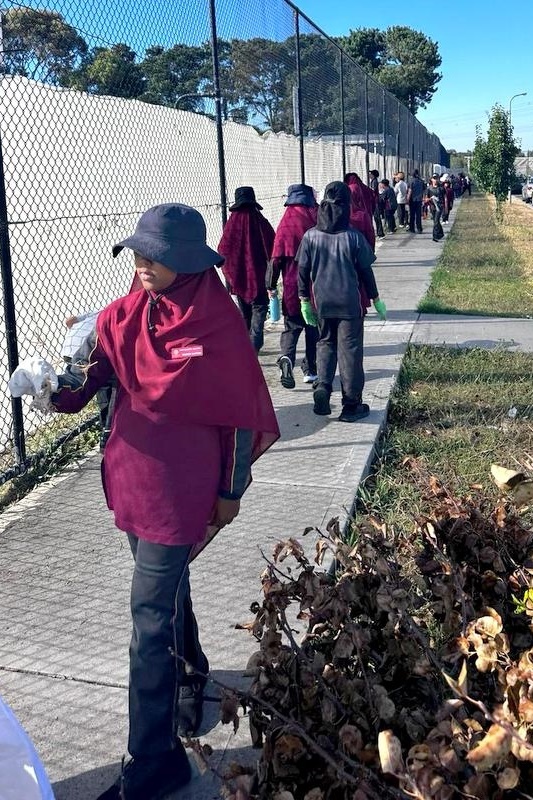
<point x="364" y="706"/>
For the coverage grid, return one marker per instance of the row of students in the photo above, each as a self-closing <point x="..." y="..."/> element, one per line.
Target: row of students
<point x="323" y="254"/>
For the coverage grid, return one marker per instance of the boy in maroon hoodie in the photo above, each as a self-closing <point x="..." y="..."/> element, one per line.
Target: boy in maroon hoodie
<point x="299" y="216"/>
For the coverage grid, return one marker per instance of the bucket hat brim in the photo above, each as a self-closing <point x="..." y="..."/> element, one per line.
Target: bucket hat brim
<point x="243" y="204"/>
<point x="183" y="257"/>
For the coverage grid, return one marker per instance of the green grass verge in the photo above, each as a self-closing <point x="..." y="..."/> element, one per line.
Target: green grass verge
<point x="456" y="412"/>
<point x="485" y="265"/>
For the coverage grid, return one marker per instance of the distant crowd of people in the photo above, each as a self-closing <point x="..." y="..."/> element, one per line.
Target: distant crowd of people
<point x="406" y="203"/>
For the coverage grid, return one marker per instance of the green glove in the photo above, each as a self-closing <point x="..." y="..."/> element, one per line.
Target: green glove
<point x="308" y="313"/>
<point x="381" y="309"/>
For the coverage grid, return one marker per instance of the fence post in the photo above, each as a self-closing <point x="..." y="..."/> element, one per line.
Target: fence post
<point x="398" y="138"/>
<point x="384" y="126"/>
<point x="299" y="94"/>
<point x="367" y="148"/>
<point x="10" y="316"/>
<point x="343" y="117"/>
<point x="218" y="111"/>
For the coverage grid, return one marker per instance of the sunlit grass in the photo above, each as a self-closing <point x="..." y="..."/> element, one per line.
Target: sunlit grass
<point x="486" y="266"/>
<point x="456" y="411"/>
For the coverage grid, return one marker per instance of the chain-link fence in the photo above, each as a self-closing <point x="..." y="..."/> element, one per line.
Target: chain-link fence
<point x="107" y="108"/>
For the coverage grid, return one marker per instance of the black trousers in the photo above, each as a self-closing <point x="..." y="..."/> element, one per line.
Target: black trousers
<point x="379" y="224"/>
<point x="438" y="233"/>
<point x="341" y="342"/>
<point x="391" y="221"/>
<point x="164" y="626"/>
<point x="292" y="328"/>
<point x="255" y="314"/>
<point x="415" y="215"/>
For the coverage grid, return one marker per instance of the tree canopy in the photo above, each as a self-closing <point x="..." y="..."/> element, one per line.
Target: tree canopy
<point x="403" y="60"/>
<point x="178" y="70"/>
<point x="39" y="44"/>
<point x="113" y="71"/>
<point x="258" y="75"/>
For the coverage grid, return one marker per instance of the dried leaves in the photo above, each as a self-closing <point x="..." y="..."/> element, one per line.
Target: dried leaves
<point x="412" y="682"/>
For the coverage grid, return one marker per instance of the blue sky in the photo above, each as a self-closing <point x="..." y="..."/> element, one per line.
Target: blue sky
<point x="486" y="50"/>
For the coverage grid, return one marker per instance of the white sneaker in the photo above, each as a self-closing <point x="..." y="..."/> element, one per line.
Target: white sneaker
<point x="309" y="378"/>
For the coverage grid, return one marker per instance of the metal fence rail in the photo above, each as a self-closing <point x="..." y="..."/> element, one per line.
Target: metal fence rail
<point x="107" y="108"/>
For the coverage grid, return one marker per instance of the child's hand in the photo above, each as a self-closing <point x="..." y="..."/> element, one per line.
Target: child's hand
<point x="70" y="321"/>
<point x="225" y="511"/>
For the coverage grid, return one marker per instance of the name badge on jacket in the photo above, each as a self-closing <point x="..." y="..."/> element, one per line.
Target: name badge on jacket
<point x="189" y="351"/>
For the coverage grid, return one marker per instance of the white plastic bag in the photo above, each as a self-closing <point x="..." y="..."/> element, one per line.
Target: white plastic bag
<point x="33" y="376"/>
<point x="22" y="775"/>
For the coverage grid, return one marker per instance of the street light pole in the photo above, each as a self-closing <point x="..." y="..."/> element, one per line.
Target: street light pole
<point x="520" y="94"/>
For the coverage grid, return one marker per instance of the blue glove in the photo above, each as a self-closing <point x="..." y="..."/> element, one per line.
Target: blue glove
<point x="381" y="309"/>
<point x="308" y="313"/>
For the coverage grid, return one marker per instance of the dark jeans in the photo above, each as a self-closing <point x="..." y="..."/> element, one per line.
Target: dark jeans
<point x="415" y="215"/>
<point x="164" y="626"/>
<point x="341" y="340"/>
<point x="438" y="233"/>
<point x="379" y="224"/>
<point x="292" y="328"/>
<point x="391" y="222"/>
<point x="402" y="214"/>
<point x="255" y="314"/>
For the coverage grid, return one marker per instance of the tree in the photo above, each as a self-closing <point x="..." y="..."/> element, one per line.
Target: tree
<point x="493" y="157"/>
<point x="182" y="69"/>
<point x="366" y="46"/>
<point x="263" y="81"/>
<point x="403" y="60"/>
<point x="39" y="44"/>
<point x="320" y="70"/>
<point x="113" y="71"/>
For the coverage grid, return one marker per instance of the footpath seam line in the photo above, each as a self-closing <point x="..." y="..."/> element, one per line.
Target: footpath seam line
<point x="61" y="677"/>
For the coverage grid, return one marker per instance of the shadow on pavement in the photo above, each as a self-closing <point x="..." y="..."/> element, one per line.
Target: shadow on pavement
<point x="88" y="785"/>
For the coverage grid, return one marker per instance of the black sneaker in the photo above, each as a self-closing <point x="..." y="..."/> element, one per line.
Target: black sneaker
<point x="321" y="401"/>
<point x="151" y="778"/>
<point x="353" y="413"/>
<point x="287" y="375"/>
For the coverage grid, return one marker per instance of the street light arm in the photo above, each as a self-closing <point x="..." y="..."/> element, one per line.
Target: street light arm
<point x="520" y="94"/>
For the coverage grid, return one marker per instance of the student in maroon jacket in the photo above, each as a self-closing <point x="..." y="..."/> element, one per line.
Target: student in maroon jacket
<point x="300" y="215"/>
<point x="246" y="245"/>
<point x="192" y="412"/>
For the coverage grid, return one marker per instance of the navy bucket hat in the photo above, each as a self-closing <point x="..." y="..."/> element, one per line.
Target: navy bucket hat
<point x="173" y="235"/>
<point x="299" y="194"/>
<point x="245" y="196"/>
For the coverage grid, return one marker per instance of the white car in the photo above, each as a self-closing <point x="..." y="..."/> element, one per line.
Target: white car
<point x="527" y="190"/>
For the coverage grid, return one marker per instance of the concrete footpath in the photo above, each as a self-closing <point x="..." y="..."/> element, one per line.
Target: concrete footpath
<point x="65" y="571"/>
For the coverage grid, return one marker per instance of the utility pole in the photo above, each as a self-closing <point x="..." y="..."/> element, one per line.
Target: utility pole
<point x="520" y="94"/>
